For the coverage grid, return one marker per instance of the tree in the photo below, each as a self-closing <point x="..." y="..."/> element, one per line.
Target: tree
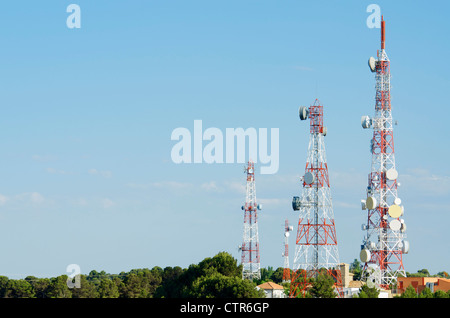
<point x="171" y="283"/>
<point x="39" y="285"/>
<point x="426" y="293"/>
<point x="140" y="283"/>
<point x="266" y="275"/>
<point x="19" y="289"/>
<point x="87" y="289"/>
<point x="356" y="269"/>
<point x="323" y="286"/>
<point x="222" y="263"/>
<point x="420" y="273"/>
<point x="221" y="286"/>
<point x="109" y="288"/>
<point x="368" y="292"/>
<point x="58" y="288"/>
<point x="440" y="294"/>
<point x="3" y="285"/>
<point x="442" y="274"/>
<point x="96" y="277"/>
<point x="410" y="292"/>
<point x="277" y="276"/>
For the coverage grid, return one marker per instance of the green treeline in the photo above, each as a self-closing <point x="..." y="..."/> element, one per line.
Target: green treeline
<point x="218" y="277"/>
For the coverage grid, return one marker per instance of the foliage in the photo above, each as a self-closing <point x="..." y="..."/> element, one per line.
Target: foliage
<point x="322" y="286"/>
<point x="214" y="277"/>
<point x="218" y="276"/>
<point x="426" y="293"/>
<point x="368" y="292"/>
<point x="356" y="268"/>
<point x="221" y="286"/>
<point x="441" y="294"/>
<point x="410" y="292"/>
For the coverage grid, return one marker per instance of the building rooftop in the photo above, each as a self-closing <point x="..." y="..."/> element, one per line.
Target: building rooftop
<point x="270" y="285"/>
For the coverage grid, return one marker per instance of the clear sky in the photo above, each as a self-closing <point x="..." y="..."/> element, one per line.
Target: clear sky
<point x="87" y="115"/>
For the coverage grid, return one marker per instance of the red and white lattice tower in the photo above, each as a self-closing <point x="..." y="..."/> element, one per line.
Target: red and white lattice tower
<point x="316" y="242"/>
<point x="286" y="269"/>
<point x="383" y="245"/>
<point x="250" y="246"/>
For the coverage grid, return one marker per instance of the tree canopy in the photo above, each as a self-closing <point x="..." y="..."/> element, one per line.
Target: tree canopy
<point x="218" y="276"/>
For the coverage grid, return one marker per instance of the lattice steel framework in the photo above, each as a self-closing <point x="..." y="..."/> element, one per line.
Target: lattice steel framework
<point x="250" y="246"/>
<point x="383" y="245"/>
<point x="316" y="242"/>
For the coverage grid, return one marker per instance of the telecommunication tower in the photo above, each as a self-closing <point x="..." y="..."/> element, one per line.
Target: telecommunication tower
<point x="316" y="242"/>
<point x="250" y="246"/>
<point x="383" y="245"/>
<point x="286" y="270"/>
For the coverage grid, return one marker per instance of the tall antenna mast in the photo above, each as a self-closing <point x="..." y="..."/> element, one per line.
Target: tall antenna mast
<point x="316" y="244"/>
<point x="286" y="270"/>
<point x="250" y="246"/>
<point x="383" y="245"/>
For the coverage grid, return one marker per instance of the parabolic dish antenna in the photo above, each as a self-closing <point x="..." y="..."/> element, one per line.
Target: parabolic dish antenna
<point x="392" y="174"/>
<point x="303" y="112"/>
<point x="403" y="228"/>
<point x="395" y="225"/>
<point x="371" y="203"/>
<point x="395" y="211"/>
<point x="309" y="178"/>
<point x="372" y="63"/>
<point x="364" y="255"/>
<point x="366" y="122"/>
<point x="405" y="248"/>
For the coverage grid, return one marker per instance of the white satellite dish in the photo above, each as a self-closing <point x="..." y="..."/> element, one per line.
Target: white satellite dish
<point x="303" y="112"/>
<point x="366" y="122"/>
<point x="395" y="211"/>
<point x="324" y="131"/>
<point x="309" y="178"/>
<point x="364" y="255"/>
<point x="395" y="225"/>
<point x="371" y="203"/>
<point x="397" y="201"/>
<point x="286" y="234"/>
<point x="296" y="203"/>
<point x="291" y="228"/>
<point x="403" y="228"/>
<point x="363" y="204"/>
<point x="372" y="64"/>
<point x="259" y="207"/>
<point x="405" y="248"/>
<point x="392" y="174"/>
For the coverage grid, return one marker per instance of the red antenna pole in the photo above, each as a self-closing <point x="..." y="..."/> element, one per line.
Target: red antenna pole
<point x="383" y="34"/>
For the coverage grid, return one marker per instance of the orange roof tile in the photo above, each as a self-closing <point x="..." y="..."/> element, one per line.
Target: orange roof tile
<point x="270" y="285"/>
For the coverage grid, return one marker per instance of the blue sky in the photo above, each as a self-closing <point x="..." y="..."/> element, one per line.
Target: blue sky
<point x="87" y="115"/>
